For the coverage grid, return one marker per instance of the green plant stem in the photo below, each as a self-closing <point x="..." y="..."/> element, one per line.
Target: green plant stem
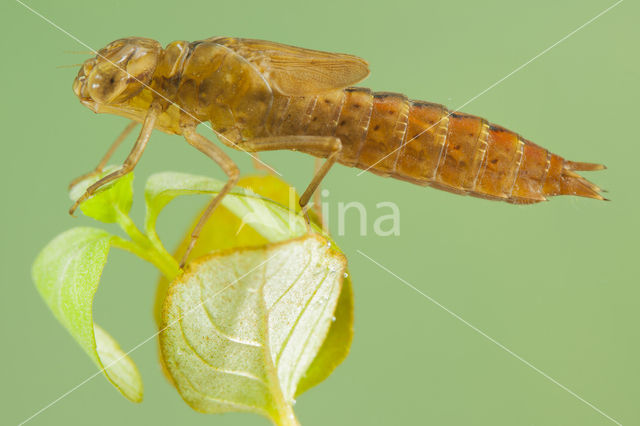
<point x="286" y="417"/>
<point x="150" y="231"/>
<point x="143" y="247"/>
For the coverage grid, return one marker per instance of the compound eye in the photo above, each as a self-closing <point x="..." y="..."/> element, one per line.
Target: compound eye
<point x="106" y="83"/>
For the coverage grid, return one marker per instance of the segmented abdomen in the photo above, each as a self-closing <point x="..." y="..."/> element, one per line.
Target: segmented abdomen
<point x="424" y="143"/>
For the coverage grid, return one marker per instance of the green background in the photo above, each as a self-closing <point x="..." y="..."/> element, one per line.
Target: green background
<point x="556" y="282"/>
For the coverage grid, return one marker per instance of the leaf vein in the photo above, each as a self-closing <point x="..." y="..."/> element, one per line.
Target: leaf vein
<point x="219" y="370"/>
<point x="313" y="330"/>
<point x="217" y="329"/>
<point x="293" y="283"/>
<point x="240" y="405"/>
<point x="297" y="321"/>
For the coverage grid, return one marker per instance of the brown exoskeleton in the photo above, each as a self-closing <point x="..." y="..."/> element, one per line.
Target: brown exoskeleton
<point x="262" y="96"/>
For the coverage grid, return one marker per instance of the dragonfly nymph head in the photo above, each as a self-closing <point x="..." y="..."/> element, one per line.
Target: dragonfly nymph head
<point x="118" y="71"/>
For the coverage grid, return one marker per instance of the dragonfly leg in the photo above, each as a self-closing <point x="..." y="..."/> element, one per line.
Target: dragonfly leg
<point x="209" y="149"/>
<point x="107" y="156"/>
<point x="325" y="146"/>
<point x="317" y="202"/>
<point x="131" y="161"/>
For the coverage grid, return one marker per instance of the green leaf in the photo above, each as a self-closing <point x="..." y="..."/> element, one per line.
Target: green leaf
<point x="110" y="201"/>
<point x="67" y="273"/>
<point x="224" y="230"/>
<point x="241" y="328"/>
<point x="268" y="218"/>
